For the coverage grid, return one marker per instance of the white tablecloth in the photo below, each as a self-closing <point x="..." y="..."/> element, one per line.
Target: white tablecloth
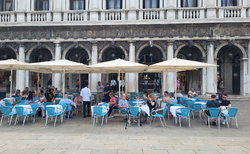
<point x="139" y="102"/>
<point x="202" y="103"/>
<point x="144" y="108"/>
<point x="2" y="103"/>
<point x="104" y="109"/>
<point x="58" y="108"/>
<point x="174" y="109"/>
<point x="26" y="109"/>
<point x="192" y="99"/>
<point x="11" y="100"/>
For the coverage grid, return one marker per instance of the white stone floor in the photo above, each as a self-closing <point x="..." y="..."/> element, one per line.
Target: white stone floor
<point x="77" y="135"/>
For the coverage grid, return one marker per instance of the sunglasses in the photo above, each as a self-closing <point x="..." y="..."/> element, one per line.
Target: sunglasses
<point x="224" y="97"/>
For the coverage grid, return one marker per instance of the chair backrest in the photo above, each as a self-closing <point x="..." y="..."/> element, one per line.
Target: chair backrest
<point x="203" y="106"/>
<point x="177" y="105"/>
<point x="185" y="102"/>
<point x="178" y="99"/>
<point x="70" y="92"/>
<point x="190" y="102"/>
<point x="34" y="107"/>
<point x="202" y="101"/>
<point x="18" y="99"/>
<point x="196" y="106"/>
<point x="97" y="110"/>
<point x="57" y="101"/>
<point x="59" y="97"/>
<point x="7" y="104"/>
<point x="50" y="110"/>
<point x="104" y="104"/>
<point x="69" y="97"/>
<point x="185" y="111"/>
<point x="45" y="104"/>
<point x="5" y="100"/>
<point x="134" y="111"/>
<point x="22" y="102"/>
<point x="169" y="105"/>
<point x="63" y="106"/>
<point x="232" y="111"/>
<point x="183" y="98"/>
<point x="214" y="112"/>
<point x="19" y="110"/>
<point x="5" y="110"/>
<point x="132" y="103"/>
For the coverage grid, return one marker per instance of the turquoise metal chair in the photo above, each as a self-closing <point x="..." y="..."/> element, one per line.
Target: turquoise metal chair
<point x="34" y="106"/>
<point x="214" y="114"/>
<point x="6" y="112"/>
<point x="196" y="108"/>
<point x="132" y="103"/>
<point x="134" y="112"/>
<point x="51" y="113"/>
<point x="57" y="101"/>
<point x="98" y="113"/>
<point x="20" y="113"/>
<point x="231" y="115"/>
<point x="160" y="116"/>
<point x="184" y="114"/>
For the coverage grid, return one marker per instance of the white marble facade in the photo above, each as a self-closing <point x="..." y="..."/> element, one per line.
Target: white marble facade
<point x="60" y="13"/>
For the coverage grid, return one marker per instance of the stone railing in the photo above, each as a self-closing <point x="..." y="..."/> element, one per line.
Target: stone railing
<point x="191" y="13"/>
<point x="7" y="17"/>
<point x="232" y="12"/>
<point x="97" y="16"/>
<point x="113" y="15"/>
<point x="76" y="16"/>
<point x="41" y="16"/>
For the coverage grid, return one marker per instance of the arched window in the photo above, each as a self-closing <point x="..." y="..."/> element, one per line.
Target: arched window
<point x="41" y="5"/>
<point x="150" y="4"/>
<point x="6" y="5"/>
<point x="77" y="4"/>
<point x="189" y="3"/>
<point x="228" y="2"/>
<point x="113" y="4"/>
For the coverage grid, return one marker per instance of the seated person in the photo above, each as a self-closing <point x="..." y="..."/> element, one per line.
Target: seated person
<point x="18" y="93"/>
<point x="26" y="91"/>
<point x="29" y="99"/>
<point x="78" y="100"/>
<point x="179" y="94"/>
<point x="165" y="98"/>
<point x="35" y="98"/>
<point x="47" y="97"/>
<point x="225" y="104"/>
<point x="211" y="104"/>
<point x="145" y="96"/>
<point x="151" y="105"/>
<point x="123" y="104"/>
<point x="192" y="93"/>
<point x="70" y="105"/>
<point x="171" y="99"/>
<point x="42" y="92"/>
<point x="112" y="105"/>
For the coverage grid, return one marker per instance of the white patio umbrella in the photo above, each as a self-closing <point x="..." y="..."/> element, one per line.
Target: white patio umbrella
<point x="12" y="64"/>
<point x="118" y="66"/>
<point x="176" y="64"/>
<point x="59" y="66"/>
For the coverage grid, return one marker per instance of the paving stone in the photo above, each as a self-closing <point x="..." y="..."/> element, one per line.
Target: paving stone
<point x="130" y="151"/>
<point x="155" y="151"/>
<point x="104" y="151"/>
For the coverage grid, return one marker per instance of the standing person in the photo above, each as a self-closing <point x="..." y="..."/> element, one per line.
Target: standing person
<point x="178" y="84"/>
<point x="122" y="85"/>
<point x="221" y="86"/>
<point x="146" y="85"/>
<point x="113" y="84"/>
<point x="86" y="94"/>
<point x="107" y="91"/>
<point x="157" y="84"/>
<point x="99" y="94"/>
<point x="77" y="85"/>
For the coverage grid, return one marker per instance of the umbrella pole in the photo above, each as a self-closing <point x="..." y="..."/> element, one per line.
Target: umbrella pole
<point x="63" y="82"/>
<point x="122" y="81"/>
<point x="90" y="81"/>
<point x="80" y="82"/>
<point x="175" y="85"/>
<point x="11" y="71"/>
<point x="37" y="82"/>
<point x="119" y="83"/>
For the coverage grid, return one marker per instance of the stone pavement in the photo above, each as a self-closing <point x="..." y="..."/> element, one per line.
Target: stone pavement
<point x="79" y="136"/>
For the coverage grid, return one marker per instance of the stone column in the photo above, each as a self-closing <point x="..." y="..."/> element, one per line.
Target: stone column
<point x="58" y="77"/>
<point x="20" y="75"/>
<point x="170" y="75"/>
<point x="132" y="7"/>
<point x="95" y="77"/>
<point x="132" y="81"/>
<point x="211" y="9"/>
<point x="248" y="69"/>
<point x="94" y="7"/>
<point x="243" y="77"/>
<point x="211" y="71"/>
<point x="57" y="16"/>
<point x="171" y="5"/>
<point x="21" y="8"/>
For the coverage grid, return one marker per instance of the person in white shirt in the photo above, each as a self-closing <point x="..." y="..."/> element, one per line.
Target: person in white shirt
<point x="122" y="84"/>
<point x="192" y="93"/>
<point x="113" y="84"/>
<point x="86" y="94"/>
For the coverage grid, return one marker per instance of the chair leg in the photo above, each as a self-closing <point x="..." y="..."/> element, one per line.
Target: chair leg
<point x="129" y="124"/>
<point x="10" y="120"/>
<point x="93" y="121"/>
<point x="106" y="120"/>
<point x="55" y="121"/>
<point x="139" y="121"/>
<point x="164" y="121"/>
<point x="102" y="120"/>
<point x="16" y="120"/>
<point x="161" y="122"/>
<point x="208" y="119"/>
<point x="227" y="122"/>
<point x="24" y="120"/>
<point x="1" y="120"/>
<point x="180" y="121"/>
<point x="193" y="114"/>
<point x="218" y="119"/>
<point x="236" y="122"/>
<point x="189" y="122"/>
<point x="46" y="121"/>
<point x="34" y="119"/>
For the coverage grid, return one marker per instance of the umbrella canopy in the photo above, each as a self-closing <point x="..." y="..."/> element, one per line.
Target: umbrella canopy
<point x="59" y="66"/>
<point x="176" y="64"/>
<point x="118" y="66"/>
<point x="114" y="66"/>
<point x="12" y="64"/>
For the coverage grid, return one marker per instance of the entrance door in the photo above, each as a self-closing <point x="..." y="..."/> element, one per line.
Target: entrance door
<point x="236" y="74"/>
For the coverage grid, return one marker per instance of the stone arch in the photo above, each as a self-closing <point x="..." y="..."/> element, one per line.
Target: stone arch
<point x="116" y="45"/>
<point x="243" y="51"/>
<point x="42" y="46"/>
<point x="14" y="50"/>
<point x="154" y="45"/>
<point x="72" y="46"/>
<point x="194" y="44"/>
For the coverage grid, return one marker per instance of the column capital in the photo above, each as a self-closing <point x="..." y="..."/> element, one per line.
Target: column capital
<point x="21" y="44"/>
<point x="170" y="42"/>
<point x="131" y="41"/>
<point x="95" y="43"/>
<point x="210" y="42"/>
<point x="57" y="42"/>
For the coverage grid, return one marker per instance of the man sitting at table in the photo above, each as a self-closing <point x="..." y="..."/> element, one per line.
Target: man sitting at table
<point x="164" y="99"/>
<point x="70" y="105"/>
<point x="211" y="104"/>
<point x="192" y="93"/>
<point x="26" y="91"/>
<point x="171" y="99"/>
<point x="225" y="104"/>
